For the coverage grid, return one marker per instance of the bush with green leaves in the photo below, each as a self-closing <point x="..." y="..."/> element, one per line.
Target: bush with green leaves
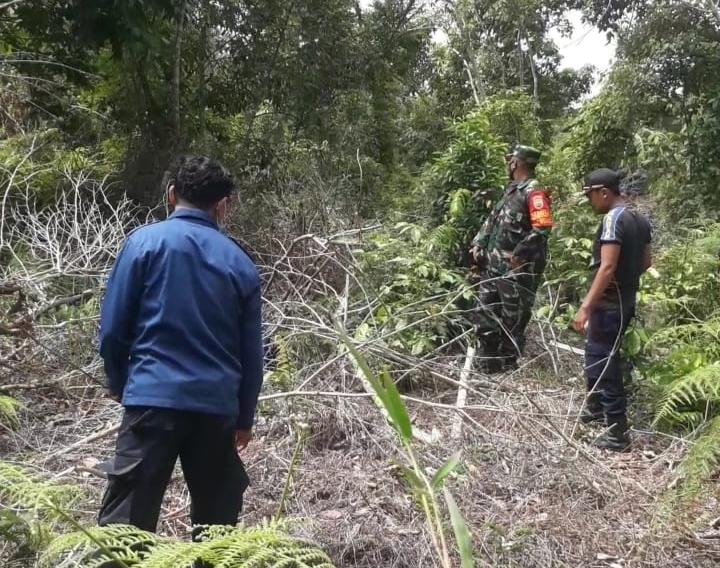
<point x="678" y="345"/>
<point x="415" y="292"/>
<point x="472" y="162"/>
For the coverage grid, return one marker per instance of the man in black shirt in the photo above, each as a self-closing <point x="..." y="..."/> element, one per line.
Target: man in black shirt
<point x="621" y="253"/>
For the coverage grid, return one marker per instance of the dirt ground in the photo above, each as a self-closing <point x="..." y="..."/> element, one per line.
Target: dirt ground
<point x="533" y="492"/>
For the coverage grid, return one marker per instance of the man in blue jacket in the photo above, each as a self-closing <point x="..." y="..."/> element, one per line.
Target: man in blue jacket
<point x="180" y="336"/>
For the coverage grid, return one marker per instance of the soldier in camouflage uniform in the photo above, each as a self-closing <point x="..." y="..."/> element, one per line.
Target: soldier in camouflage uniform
<point x="510" y="252"/>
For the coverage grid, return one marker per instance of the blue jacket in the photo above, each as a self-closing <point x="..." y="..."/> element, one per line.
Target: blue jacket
<point x="180" y="323"/>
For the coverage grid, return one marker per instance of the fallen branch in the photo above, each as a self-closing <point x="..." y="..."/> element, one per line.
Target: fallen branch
<point x="462" y="392"/>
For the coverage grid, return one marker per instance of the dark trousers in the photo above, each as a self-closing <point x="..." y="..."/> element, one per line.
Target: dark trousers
<point x="603" y="364"/>
<point x="148" y="445"/>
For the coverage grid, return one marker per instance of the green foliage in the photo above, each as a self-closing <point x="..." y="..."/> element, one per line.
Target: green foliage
<point x="220" y="547"/>
<point x="688" y="273"/>
<point x="42" y="164"/>
<point x="689" y="398"/>
<point x="32" y="507"/>
<point x="283" y="373"/>
<point x="570" y="250"/>
<point x="462" y="533"/>
<point x="512" y="118"/>
<point x="472" y="161"/>
<point x="415" y="292"/>
<point x="9" y="411"/>
<point x="703" y="459"/>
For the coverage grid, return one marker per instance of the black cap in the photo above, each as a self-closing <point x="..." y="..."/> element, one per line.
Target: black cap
<point x="526" y="154"/>
<point x="603" y="177"/>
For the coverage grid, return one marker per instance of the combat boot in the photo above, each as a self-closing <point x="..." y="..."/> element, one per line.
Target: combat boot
<point x="592" y="409"/>
<point x="615" y="438"/>
<point x="491" y="366"/>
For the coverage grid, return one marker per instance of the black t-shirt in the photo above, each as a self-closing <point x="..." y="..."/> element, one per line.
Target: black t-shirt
<point x="631" y="230"/>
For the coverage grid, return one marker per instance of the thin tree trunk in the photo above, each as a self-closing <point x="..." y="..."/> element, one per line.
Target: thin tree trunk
<point x="536" y="79"/>
<point x="177" y="69"/>
<point x="204" y="45"/>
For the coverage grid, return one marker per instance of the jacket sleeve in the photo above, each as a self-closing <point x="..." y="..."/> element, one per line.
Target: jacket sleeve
<point x="251" y="357"/>
<point x="534" y="244"/>
<point x="118" y="314"/>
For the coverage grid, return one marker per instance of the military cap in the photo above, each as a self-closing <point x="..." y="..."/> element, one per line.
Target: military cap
<point x="526" y="154"/>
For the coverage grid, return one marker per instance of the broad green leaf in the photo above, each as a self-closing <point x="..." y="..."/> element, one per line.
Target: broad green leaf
<point x="462" y="534"/>
<point x="445" y="469"/>
<point x="396" y="407"/>
<point x="365" y="369"/>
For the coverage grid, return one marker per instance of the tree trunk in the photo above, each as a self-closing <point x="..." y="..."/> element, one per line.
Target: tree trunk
<point x="536" y="85"/>
<point x="204" y="46"/>
<point x="177" y="69"/>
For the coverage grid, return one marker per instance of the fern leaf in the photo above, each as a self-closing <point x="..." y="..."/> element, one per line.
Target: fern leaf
<point x="699" y="387"/>
<point x="221" y="547"/>
<point x="25" y="491"/>
<point x="703" y="459"/>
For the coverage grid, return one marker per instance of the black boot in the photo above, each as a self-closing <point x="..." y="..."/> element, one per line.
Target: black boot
<point x="491" y="365"/>
<point x="592" y="409"/>
<point x="615" y="438"/>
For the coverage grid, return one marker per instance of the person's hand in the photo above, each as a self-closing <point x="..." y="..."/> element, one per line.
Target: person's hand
<point x="115" y="397"/>
<point x="475" y="254"/>
<point x="242" y="439"/>
<point x="515" y="262"/>
<point x="581" y="320"/>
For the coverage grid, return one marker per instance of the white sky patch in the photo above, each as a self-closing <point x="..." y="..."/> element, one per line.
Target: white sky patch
<point x="586" y="45"/>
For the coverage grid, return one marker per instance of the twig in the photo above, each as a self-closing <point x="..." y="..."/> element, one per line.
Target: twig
<point x="87" y="440"/>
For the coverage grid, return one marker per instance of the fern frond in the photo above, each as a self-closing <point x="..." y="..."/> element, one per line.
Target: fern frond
<point x="220" y="547"/>
<point x="23" y="490"/>
<point x="126" y="543"/>
<point x="699" y="387"/>
<point x="706" y="332"/>
<point x="703" y="459"/>
<point x="443" y="238"/>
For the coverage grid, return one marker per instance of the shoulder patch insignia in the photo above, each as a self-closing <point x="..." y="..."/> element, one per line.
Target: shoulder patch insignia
<point x="539" y="209"/>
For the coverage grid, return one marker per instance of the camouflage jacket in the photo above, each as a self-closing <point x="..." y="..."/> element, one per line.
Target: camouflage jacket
<point x="518" y="226"/>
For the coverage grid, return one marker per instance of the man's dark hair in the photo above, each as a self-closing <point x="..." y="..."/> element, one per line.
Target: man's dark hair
<point x="200" y="181"/>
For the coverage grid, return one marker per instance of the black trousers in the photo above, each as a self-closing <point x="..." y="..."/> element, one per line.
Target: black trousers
<point x="603" y="363"/>
<point x="148" y="445"/>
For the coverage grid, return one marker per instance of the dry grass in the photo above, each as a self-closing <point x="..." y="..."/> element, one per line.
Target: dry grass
<point x="532" y="491"/>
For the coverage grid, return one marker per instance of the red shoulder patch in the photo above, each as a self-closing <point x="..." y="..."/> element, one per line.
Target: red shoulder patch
<point x="539" y="208"/>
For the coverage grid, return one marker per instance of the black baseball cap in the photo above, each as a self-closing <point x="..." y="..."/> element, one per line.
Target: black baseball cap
<point x="603" y="177"/>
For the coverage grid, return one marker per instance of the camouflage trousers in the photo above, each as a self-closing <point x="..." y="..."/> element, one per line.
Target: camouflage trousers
<point x="501" y="314"/>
